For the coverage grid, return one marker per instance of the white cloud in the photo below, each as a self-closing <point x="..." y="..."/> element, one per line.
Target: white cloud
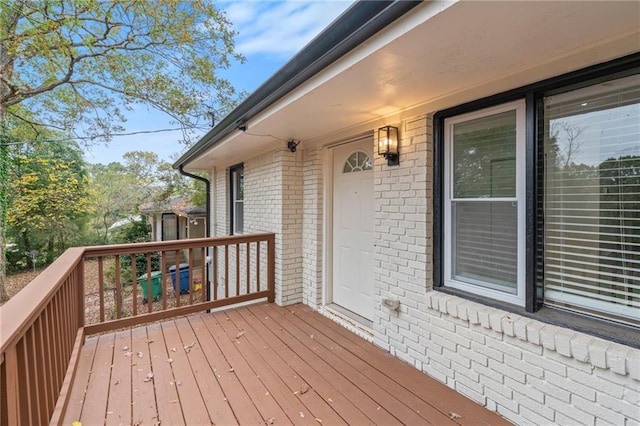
<point x="280" y="28"/>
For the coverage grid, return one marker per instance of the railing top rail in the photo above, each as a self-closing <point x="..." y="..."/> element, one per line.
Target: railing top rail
<point x="174" y="244"/>
<point x="21" y="311"/>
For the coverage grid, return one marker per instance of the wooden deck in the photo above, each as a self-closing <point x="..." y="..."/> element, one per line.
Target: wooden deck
<point x="259" y="364"/>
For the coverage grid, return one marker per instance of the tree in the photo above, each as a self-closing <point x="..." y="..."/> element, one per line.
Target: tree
<point x="48" y="195"/>
<point x="113" y="196"/>
<point x="74" y="65"/>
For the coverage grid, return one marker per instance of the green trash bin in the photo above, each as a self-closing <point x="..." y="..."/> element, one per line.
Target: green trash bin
<point x="156" y="286"/>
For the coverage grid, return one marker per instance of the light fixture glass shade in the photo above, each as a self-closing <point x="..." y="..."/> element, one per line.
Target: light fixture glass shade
<point x="388" y="144"/>
<point x="388" y="140"/>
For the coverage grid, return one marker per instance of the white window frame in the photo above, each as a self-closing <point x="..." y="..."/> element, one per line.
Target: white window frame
<point x="519" y="107"/>
<point x="233" y="171"/>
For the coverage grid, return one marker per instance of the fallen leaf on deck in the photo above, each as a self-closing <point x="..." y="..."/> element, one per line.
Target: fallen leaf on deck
<point x="271" y="420"/>
<point x="329" y="399"/>
<point x="140" y="355"/>
<point x="231" y="370"/>
<point x="128" y="354"/>
<point x="301" y="414"/>
<point x="304" y="389"/>
<point x="170" y="360"/>
<point x="266" y="394"/>
<point x="312" y="335"/>
<point x="179" y="382"/>
<point x="318" y="420"/>
<point x="175" y="401"/>
<point x="125" y="348"/>
<point x="149" y="377"/>
<point x="454" y="416"/>
<point x="149" y="341"/>
<point x="240" y="334"/>
<point x="117" y="382"/>
<point x="188" y="347"/>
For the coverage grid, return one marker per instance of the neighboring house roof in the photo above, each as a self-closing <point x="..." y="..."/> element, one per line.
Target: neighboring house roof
<point x="381" y="62"/>
<point x="122" y="222"/>
<point x="180" y="205"/>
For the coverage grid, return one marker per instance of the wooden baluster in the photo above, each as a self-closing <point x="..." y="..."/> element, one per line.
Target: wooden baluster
<point x="101" y="285"/>
<point x="237" y="269"/>
<point x="118" y="289"/>
<point x="248" y="268"/>
<point x="203" y="274"/>
<point x="163" y="261"/>
<point x="271" y="264"/>
<point x="134" y="285"/>
<point x="214" y="260"/>
<point x="190" y="276"/>
<point x="177" y="287"/>
<point x="226" y="271"/>
<point x="149" y="285"/>
<point x="258" y="265"/>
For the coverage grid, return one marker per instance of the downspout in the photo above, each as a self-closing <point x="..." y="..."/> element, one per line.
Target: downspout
<point x="207" y="232"/>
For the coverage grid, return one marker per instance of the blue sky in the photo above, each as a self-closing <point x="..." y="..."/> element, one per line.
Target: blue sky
<point x="270" y="33"/>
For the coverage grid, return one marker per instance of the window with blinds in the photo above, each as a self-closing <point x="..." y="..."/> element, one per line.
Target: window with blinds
<point x="484" y="202"/>
<point x="591" y="200"/>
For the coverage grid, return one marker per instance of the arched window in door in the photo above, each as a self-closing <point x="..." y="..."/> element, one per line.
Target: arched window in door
<point x="357" y="162"/>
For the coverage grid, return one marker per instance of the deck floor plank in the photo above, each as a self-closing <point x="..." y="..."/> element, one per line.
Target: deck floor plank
<point x="376" y="395"/>
<point x="168" y="402"/>
<point x="143" y="398"/>
<point x="439" y="396"/>
<point x="83" y="373"/>
<point x="317" y="385"/>
<point x="311" y="367"/>
<point x="252" y="384"/>
<point x="95" y="403"/>
<point x="243" y="407"/>
<point x="193" y="406"/>
<point x="360" y="373"/>
<point x="120" y="386"/>
<point x="218" y="407"/>
<point x="319" y="408"/>
<point x="241" y="336"/>
<point x="257" y="364"/>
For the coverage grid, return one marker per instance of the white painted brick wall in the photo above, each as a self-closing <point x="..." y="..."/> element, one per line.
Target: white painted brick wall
<point x="273" y="199"/>
<point x="529" y="372"/>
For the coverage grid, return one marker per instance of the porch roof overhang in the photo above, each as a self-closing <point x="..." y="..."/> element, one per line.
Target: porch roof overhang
<point x="439" y="55"/>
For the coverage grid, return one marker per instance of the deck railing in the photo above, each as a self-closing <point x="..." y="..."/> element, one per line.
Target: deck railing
<point x="94" y="289"/>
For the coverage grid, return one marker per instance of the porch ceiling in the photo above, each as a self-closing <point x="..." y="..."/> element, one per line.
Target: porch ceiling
<point x="435" y="57"/>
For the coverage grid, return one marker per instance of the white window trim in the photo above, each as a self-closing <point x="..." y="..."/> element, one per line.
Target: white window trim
<point x="518" y="298"/>
<point x="234" y="192"/>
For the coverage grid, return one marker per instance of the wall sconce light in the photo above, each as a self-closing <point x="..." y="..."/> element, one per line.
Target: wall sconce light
<point x="388" y="145"/>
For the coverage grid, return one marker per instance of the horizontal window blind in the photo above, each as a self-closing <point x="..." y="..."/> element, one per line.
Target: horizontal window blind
<point x="591" y="200"/>
<point x="485" y="244"/>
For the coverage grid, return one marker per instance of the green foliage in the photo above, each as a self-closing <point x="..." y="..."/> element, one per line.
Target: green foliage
<point x="47" y="197"/>
<point x="135" y="232"/>
<point x="80" y="63"/>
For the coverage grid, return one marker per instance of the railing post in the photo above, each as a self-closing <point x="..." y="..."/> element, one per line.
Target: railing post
<point x="271" y="265"/>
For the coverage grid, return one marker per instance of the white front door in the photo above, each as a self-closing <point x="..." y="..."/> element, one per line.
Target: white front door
<point x="353" y="227"/>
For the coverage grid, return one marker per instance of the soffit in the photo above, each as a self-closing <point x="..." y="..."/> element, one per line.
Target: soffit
<point x="438" y="56"/>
